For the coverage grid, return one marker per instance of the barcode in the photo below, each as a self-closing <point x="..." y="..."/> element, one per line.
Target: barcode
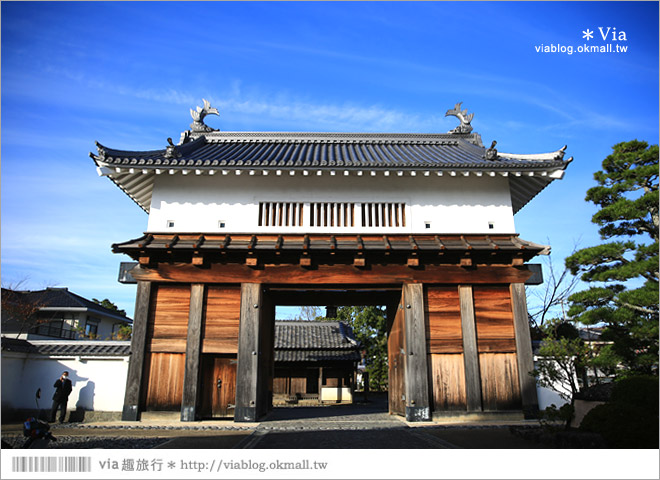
<point x="51" y="464"/>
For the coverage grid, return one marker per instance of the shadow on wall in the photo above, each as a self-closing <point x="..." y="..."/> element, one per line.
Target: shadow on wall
<point x="85" y="402"/>
<point x="35" y="388"/>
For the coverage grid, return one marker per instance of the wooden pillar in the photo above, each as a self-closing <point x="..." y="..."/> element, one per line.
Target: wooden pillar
<point x="192" y="371"/>
<point x="470" y="351"/>
<point x="320" y="383"/>
<point x="525" y="355"/>
<point x="266" y="357"/>
<point x="247" y="375"/>
<point x="131" y="410"/>
<point x="418" y="405"/>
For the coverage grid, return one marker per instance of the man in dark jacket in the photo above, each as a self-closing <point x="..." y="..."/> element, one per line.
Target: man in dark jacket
<point x="62" y="391"/>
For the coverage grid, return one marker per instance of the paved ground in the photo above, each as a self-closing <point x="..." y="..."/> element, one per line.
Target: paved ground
<point x="343" y="427"/>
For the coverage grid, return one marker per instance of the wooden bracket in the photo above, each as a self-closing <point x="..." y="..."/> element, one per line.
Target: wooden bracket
<point x="251" y="261"/>
<point x="359" y="261"/>
<point x="198" y="260"/>
<point x="144" y="261"/>
<point x="466" y="262"/>
<point x="305" y="261"/>
<point x="413" y="262"/>
<point x="518" y="262"/>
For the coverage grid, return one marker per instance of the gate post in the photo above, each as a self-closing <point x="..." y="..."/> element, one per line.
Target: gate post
<point x="247" y="373"/>
<point x="418" y="405"/>
<point x="193" y="350"/>
<point x="524" y="352"/>
<point x="131" y="410"/>
<point x="470" y="351"/>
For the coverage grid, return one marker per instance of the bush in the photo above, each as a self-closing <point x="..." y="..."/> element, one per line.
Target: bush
<point x="630" y="418"/>
<point x="641" y="391"/>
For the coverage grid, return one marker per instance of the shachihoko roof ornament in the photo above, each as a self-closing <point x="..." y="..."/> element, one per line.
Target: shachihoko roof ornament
<point x="198" y="117"/>
<point x="463" y="116"/>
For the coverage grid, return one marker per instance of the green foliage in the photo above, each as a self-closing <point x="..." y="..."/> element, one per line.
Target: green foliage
<point x="630" y="418"/>
<point x="623" y="271"/>
<point x="552" y="416"/>
<point x="370" y="327"/>
<point x="561" y="355"/>
<point x="109" y="305"/>
<point x="638" y="390"/>
<point x="123" y="333"/>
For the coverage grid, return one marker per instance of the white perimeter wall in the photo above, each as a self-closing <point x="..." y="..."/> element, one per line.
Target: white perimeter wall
<point x="196" y="203"/>
<point x="98" y="384"/>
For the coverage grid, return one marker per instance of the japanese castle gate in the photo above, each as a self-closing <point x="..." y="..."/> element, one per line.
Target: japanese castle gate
<point x="240" y="222"/>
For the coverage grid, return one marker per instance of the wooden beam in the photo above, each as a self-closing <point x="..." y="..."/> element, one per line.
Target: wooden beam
<point x="307" y="296"/>
<point x="524" y="350"/>
<point x="191" y="374"/>
<point x="247" y="373"/>
<point x="470" y="351"/>
<point x="330" y="274"/>
<point x="418" y="403"/>
<point x="131" y="410"/>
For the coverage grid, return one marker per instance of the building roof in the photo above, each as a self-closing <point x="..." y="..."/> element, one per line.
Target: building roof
<point x="496" y="248"/>
<point x="297" y="341"/>
<point x="75" y="348"/>
<point x="55" y="299"/>
<point x="210" y="152"/>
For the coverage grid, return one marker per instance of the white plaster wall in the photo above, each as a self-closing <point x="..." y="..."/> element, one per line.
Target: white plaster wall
<point x="196" y="203"/>
<point x="98" y="384"/>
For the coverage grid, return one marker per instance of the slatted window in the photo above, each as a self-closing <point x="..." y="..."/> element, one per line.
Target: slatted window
<point x="331" y="214"/>
<point x="281" y="214"/>
<point x="383" y="214"/>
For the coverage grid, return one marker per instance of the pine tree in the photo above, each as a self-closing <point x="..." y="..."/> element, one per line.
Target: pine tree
<point x="370" y="327"/>
<point x="623" y="271"/>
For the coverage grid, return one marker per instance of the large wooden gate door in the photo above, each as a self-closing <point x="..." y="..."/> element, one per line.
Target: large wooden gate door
<point x="219" y="386"/>
<point x="396" y="358"/>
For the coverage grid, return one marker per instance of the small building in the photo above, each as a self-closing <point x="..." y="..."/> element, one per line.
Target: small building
<point x="58" y="314"/>
<point x="314" y="362"/>
<point x="242" y="222"/>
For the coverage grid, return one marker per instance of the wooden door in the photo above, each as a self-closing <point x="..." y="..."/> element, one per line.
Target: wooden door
<point x="219" y="386"/>
<point x="396" y="358"/>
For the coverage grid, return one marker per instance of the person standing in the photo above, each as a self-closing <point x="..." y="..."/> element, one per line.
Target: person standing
<point x="60" y="398"/>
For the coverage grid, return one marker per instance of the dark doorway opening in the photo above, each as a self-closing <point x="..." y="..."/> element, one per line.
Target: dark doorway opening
<point x="307" y="385"/>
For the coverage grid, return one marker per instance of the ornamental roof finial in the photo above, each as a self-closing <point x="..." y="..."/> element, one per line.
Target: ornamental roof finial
<point x="198" y="117"/>
<point x="463" y="116"/>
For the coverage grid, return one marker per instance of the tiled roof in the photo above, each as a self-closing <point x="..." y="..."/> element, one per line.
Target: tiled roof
<point x="314" y="335"/>
<point x="53" y="298"/>
<point x="77" y="348"/>
<point x="316" y="355"/>
<point x="204" y="154"/>
<point x="314" y="341"/>
<point x="265" y="150"/>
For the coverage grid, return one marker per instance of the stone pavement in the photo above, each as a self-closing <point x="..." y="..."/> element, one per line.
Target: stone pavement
<point x="356" y="426"/>
<point x="370" y="426"/>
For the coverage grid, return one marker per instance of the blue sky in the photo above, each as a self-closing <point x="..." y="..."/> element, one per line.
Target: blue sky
<point x="126" y="74"/>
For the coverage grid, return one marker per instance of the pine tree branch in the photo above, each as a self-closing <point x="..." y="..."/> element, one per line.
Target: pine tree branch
<point x="637" y="308"/>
